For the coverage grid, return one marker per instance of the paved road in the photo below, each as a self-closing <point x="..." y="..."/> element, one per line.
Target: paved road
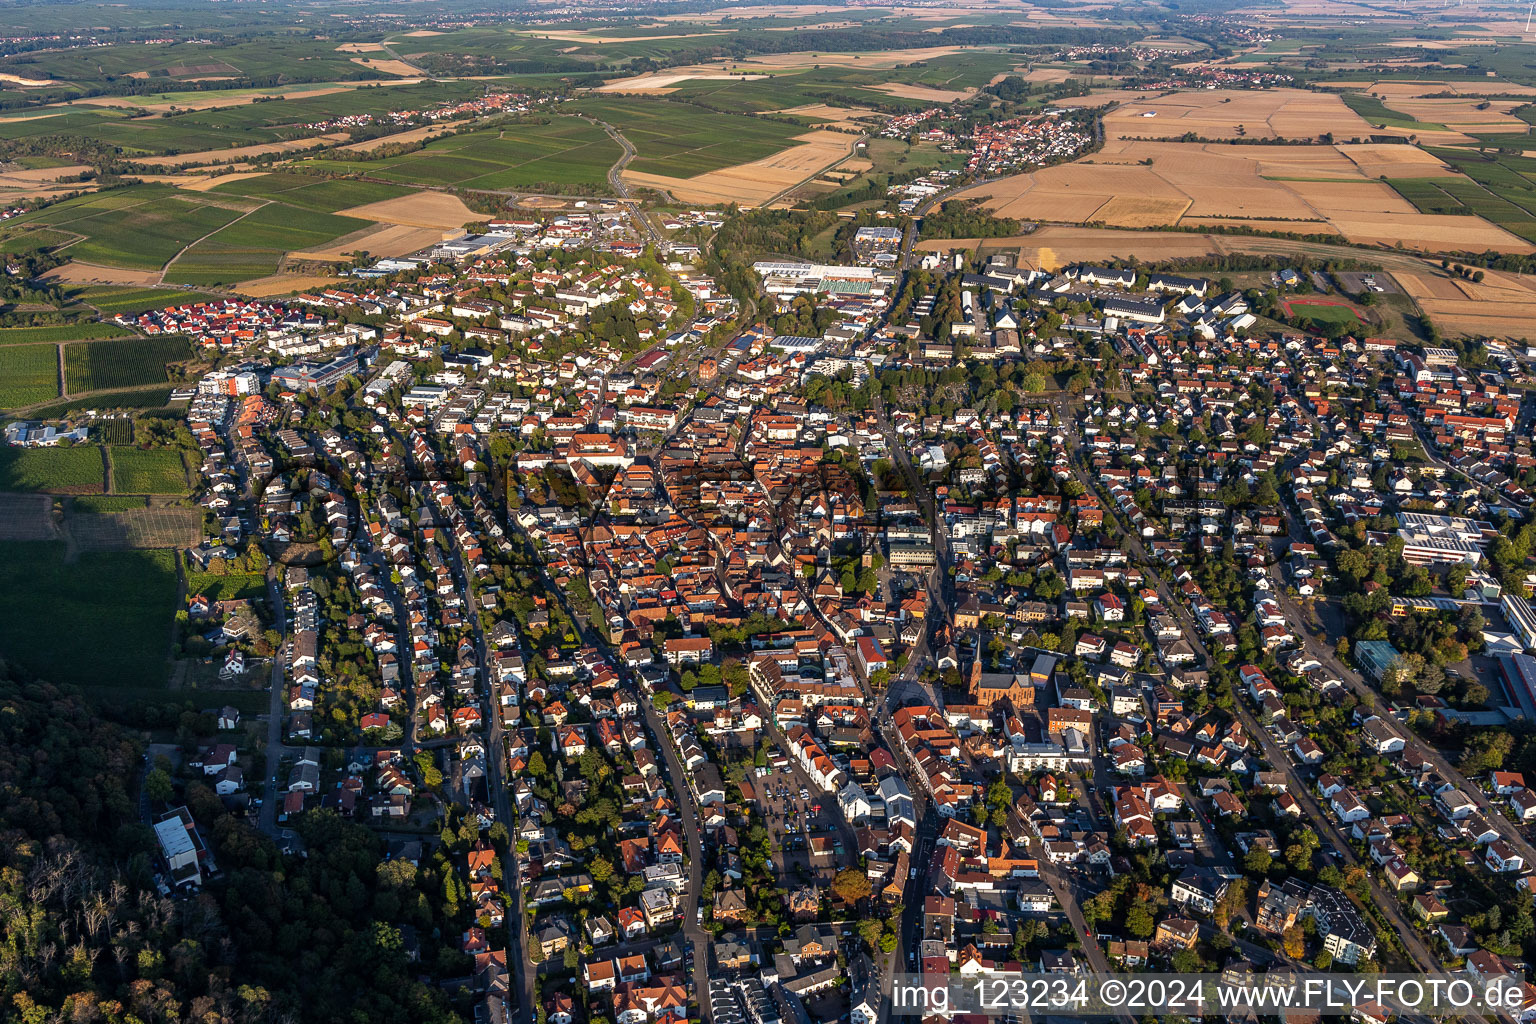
<point x="616" y="178"/>
<point x="267" y="820"/>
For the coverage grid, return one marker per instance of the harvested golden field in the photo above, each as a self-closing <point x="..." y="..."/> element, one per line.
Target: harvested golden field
<point x="662" y="82"/>
<point x="591" y="37"/>
<point x="360" y="48"/>
<point x="1396" y="160"/>
<point x="1218" y="114"/>
<point x="379" y="240"/>
<point x="924" y="93"/>
<point x="752" y="184"/>
<point x="1499" y="305"/>
<point x="75" y="272"/>
<point x="422" y="210"/>
<point x="413" y="135"/>
<point x="219" y="156"/>
<point x="1429" y="231"/>
<point x="209" y="181"/>
<point x="22" y="178"/>
<point x="284" y="284"/>
<point x="1140" y="211"/>
<point x="1303" y="189"/>
<point x="1462" y="114"/>
<point x="1388" y="90"/>
<point x="387" y="67"/>
<point x="841" y="117"/>
<point x="216" y="99"/>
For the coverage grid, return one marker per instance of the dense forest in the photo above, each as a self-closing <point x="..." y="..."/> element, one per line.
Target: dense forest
<point x="87" y="937"/>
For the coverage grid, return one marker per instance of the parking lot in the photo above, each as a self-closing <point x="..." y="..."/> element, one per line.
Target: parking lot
<point x="791" y="818"/>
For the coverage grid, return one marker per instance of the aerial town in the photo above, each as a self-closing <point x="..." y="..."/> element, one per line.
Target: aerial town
<point x="628" y="608"/>
<point x="760" y="667"/>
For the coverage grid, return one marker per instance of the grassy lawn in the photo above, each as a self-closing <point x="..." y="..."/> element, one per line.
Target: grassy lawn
<point x="98" y="365"/>
<point x="103" y="620"/>
<point x="28" y="374"/>
<point x="1325" y="314"/>
<point x="155" y="471"/>
<point x="75" y="470"/>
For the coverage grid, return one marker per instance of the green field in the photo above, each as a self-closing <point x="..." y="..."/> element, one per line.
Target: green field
<point x="1377" y="112"/>
<point x="210" y="263"/>
<point x="231" y="587"/>
<point x="140" y="227"/>
<point x="139" y="132"/>
<point x="150" y="398"/>
<point x="254" y="245"/>
<point x="104" y="620"/>
<point x="683" y="140"/>
<point x="849" y="86"/>
<point x="33" y="239"/>
<point x="99" y="365"/>
<point x="92" y="503"/>
<point x="28" y="374"/>
<point x="155" y="471"/>
<point x="64" y="332"/>
<point x="1501" y="190"/>
<point x="77" y="470"/>
<point x="307" y="192"/>
<point x="112" y="300"/>
<point x="1325" y="314"/>
<point x="566" y="151"/>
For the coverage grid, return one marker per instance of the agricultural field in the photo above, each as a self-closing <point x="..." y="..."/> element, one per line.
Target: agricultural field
<point x="307" y="192"/>
<point x="28" y="374"/>
<point x="98" y="503"/>
<point x="881" y="162"/>
<point x="101" y="365"/>
<point x="1295" y="189"/>
<point x="77" y="470"/>
<point x="62" y="332"/>
<point x="210" y="263"/>
<point x="1376" y="112"/>
<point x="1227" y="114"/>
<point x="113" y="608"/>
<point x="758" y="181"/>
<point x="680" y="140"/>
<point x="565" y="151"/>
<point x="113" y="300"/>
<point x="1500" y="304"/>
<point x="1498" y="189"/>
<point x="293" y="58"/>
<point x="140" y="227"/>
<point x="152" y="471"/>
<point x="151" y="397"/>
<point x="34" y="240"/>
